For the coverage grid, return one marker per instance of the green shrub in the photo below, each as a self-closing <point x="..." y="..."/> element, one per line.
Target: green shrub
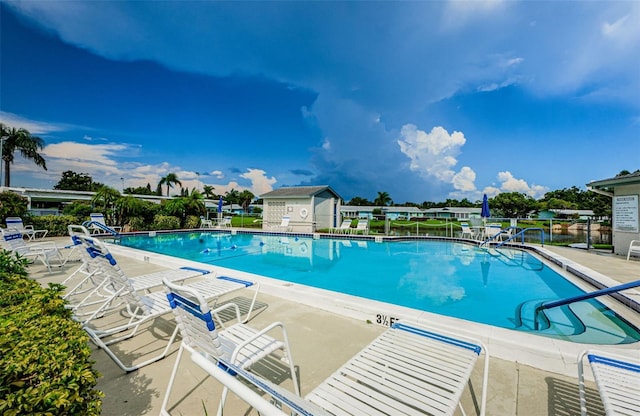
<point x="12" y="205"/>
<point x="56" y="224"/>
<point x="192" y="221"/>
<point x="45" y="365"/>
<point x="166" y="222"/>
<point x="80" y="209"/>
<point x="137" y="224"/>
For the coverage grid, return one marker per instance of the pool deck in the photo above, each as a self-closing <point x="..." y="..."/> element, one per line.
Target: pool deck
<point x="525" y="378"/>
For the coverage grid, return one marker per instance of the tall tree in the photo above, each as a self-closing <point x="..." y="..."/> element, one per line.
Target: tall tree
<point x="170" y="180"/>
<point x="358" y="201"/>
<point x="19" y="140"/>
<point x="245" y="199"/>
<point x="383" y="199"/>
<point x="73" y="181"/>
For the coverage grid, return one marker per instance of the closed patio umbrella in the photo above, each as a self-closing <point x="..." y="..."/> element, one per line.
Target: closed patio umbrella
<point x="220" y="208"/>
<point x="485" y="208"/>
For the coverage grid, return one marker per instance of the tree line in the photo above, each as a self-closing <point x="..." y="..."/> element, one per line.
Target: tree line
<point x="513" y="204"/>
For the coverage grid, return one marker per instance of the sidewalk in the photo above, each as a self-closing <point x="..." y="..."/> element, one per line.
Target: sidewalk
<point x="321" y="341"/>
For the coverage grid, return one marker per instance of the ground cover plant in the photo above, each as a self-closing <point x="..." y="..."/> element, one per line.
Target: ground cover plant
<point x="45" y="359"/>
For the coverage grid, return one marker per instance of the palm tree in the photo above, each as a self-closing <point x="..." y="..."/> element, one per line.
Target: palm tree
<point x="106" y="197"/>
<point x="207" y="190"/>
<point x="383" y="199"/>
<point x="19" y="139"/>
<point x="232" y="197"/>
<point x="245" y="199"/>
<point x="170" y="180"/>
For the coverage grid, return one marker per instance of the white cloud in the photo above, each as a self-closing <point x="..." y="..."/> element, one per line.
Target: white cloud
<point x="260" y="183"/>
<point x="34" y="127"/>
<point x="465" y="180"/>
<point x="508" y="183"/>
<point x="101" y="154"/>
<point x="431" y="154"/>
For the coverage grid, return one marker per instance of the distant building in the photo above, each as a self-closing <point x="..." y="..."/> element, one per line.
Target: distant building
<point x="393" y="213"/>
<point x="52" y="201"/>
<point x="624" y="192"/>
<point x="581" y="214"/>
<point x="453" y="213"/>
<point x="309" y="208"/>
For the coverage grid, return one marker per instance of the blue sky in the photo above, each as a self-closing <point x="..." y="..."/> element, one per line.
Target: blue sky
<point x="422" y="100"/>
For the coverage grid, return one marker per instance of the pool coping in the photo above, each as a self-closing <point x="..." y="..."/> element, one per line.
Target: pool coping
<point x="549" y="354"/>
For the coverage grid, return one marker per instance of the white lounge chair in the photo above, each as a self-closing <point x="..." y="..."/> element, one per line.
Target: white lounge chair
<point x="99" y="276"/>
<point x="12" y="240"/>
<point x="344" y="228"/>
<point x="284" y="224"/>
<point x="408" y="369"/>
<point x="116" y="295"/>
<point x="634" y="248"/>
<point x="28" y="230"/>
<point x="361" y="227"/>
<point x="617" y="379"/>
<point x="238" y="345"/>
<point x="98" y="224"/>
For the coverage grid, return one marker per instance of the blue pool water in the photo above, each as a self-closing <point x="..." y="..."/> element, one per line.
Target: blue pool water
<point x="444" y="277"/>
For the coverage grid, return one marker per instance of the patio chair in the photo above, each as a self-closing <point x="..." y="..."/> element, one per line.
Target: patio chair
<point x="116" y="296"/>
<point x="361" y="227"/>
<point x="493" y="231"/>
<point x="205" y="223"/>
<point x="466" y="231"/>
<point x="28" y="230"/>
<point x="634" y="248"/>
<point x="13" y="240"/>
<point x="98" y="224"/>
<point x="408" y="369"/>
<point x="238" y="345"/>
<point x="344" y="228"/>
<point x="617" y="379"/>
<point x="225" y="222"/>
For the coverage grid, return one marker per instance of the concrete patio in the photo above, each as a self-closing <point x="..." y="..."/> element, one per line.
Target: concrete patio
<point x="321" y="342"/>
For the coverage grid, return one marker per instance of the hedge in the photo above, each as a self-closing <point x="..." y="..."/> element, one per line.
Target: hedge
<point x="45" y="359"/>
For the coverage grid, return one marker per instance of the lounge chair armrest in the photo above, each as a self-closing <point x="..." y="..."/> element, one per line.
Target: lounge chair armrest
<point x="45" y="245"/>
<point x="224" y="307"/>
<point x="259" y="334"/>
<point x="246" y="393"/>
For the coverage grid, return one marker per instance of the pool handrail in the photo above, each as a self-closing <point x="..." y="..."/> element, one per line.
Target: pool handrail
<point x="521" y="234"/>
<point x="578" y="298"/>
<point x="97" y="224"/>
<point x="518" y="234"/>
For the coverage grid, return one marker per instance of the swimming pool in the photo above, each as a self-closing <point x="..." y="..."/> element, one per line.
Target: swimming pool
<point x="445" y="277"/>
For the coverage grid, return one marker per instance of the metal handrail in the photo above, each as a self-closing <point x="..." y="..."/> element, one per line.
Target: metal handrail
<point x="520" y="233"/>
<point x="590" y="295"/>
<point x="100" y="225"/>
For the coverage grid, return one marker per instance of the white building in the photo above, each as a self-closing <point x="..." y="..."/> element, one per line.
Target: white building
<point x="309" y="208"/>
<point x="624" y="192"/>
